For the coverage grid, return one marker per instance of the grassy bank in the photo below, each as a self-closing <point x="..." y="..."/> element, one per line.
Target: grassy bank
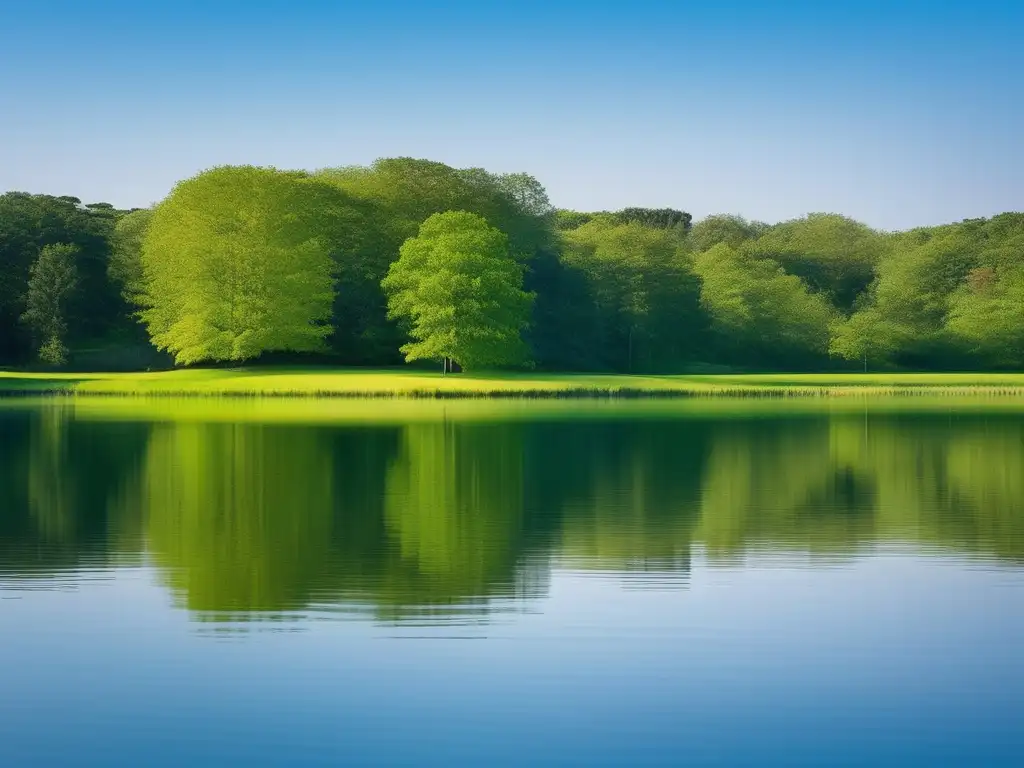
<point x="271" y="382"/>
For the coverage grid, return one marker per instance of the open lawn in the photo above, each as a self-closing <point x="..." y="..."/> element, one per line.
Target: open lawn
<point x="320" y="382"/>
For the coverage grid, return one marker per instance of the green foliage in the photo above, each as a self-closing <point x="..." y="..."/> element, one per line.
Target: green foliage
<point x="566" y="220"/>
<point x="125" y="266"/>
<point x="723" y="228"/>
<point x="408" y="191"/>
<point x="53" y="351"/>
<point x="526" y="193"/>
<point x="657" y="218"/>
<point x="462" y="293"/>
<point x="944" y="294"/>
<point x="28" y="223"/>
<point x="832" y="254"/>
<point x="52" y="280"/>
<point x="645" y="295"/>
<point x="400" y="194"/>
<point x="246" y="260"/>
<point x="987" y="312"/>
<point x="759" y="311"/>
<point x="866" y="336"/>
<point x="235" y="264"/>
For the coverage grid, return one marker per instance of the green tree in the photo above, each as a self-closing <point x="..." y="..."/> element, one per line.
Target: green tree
<point x="52" y="280"/>
<point x="462" y="293"/>
<point x="987" y="312"/>
<point x="235" y="264"/>
<point x="125" y="266"/>
<point x="865" y="337"/>
<point x="527" y="194"/>
<point x="909" y="302"/>
<point x="409" y="190"/>
<point x="401" y="193"/>
<point x="28" y="223"/>
<point x="566" y="220"/>
<point x="762" y="314"/>
<point x="646" y="295"/>
<point x="834" y="255"/>
<point x="723" y="228"/>
<point x="656" y="218"/>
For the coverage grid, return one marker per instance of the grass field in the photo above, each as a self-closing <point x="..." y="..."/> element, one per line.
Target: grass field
<point x="318" y="382"/>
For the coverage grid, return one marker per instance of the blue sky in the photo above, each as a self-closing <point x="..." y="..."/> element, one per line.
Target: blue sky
<point x="896" y="112"/>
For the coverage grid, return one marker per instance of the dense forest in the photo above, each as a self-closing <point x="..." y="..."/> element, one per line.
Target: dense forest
<point x="410" y="260"/>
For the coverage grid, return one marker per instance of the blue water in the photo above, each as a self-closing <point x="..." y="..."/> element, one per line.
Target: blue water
<point x="864" y="607"/>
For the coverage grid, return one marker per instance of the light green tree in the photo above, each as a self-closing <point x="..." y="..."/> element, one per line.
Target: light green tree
<point x="988" y="313"/>
<point x="902" y="317"/>
<point x="759" y="310"/>
<point x="235" y="264"/>
<point x="462" y="293"/>
<point x="52" y="280"/>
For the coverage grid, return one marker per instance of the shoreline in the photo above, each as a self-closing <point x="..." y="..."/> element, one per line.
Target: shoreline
<point x="355" y="384"/>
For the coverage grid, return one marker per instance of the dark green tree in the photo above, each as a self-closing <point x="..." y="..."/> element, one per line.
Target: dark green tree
<point x="646" y="296"/>
<point x="52" y="280"/>
<point x="27" y="224"/>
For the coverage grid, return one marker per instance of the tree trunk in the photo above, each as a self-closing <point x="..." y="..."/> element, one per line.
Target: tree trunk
<point x="629" y="361"/>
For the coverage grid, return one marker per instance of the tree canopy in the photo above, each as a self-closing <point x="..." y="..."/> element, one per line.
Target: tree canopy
<point x="760" y="312"/>
<point x="235" y="264"/>
<point x="461" y="292"/>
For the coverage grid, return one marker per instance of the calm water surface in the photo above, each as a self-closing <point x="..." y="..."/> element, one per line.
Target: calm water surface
<point x="511" y="584"/>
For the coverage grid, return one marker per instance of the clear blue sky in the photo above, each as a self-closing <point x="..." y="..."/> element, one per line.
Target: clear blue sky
<point x="896" y="112"/>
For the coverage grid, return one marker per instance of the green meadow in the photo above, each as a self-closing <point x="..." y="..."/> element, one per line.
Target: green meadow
<point x="321" y="382"/>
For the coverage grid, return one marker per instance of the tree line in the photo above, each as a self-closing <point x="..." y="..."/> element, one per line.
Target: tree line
<point x="412" y="260"/>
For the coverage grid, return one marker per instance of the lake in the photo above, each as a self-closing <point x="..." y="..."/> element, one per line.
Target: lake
<point x="511" y="583"/>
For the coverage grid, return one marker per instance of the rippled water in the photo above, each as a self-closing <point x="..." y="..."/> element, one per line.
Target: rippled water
<point x="511" y="584"/>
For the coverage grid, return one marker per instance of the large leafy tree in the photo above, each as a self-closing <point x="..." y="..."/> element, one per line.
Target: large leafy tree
<point x="52" y="281"/>
<point x="235" y="263"/>
<point x="462" y="293"/>
<point x="761" y="313"/>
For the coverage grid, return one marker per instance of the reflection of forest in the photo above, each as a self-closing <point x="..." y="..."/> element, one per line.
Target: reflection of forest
<point x="442" y="518"/>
